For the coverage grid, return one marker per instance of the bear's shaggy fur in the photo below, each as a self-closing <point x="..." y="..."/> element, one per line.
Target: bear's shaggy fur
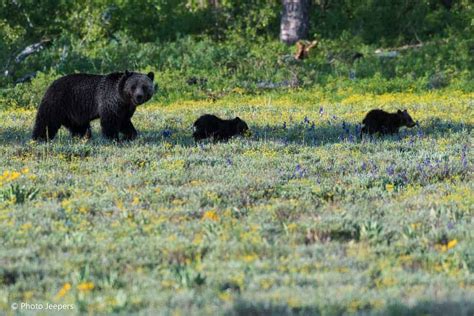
<point x="386" y="123"/>
<point x="221" y="130"/>
<point x="75" y="100"/>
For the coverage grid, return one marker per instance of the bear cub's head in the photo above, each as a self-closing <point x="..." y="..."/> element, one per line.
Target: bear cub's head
<point x="241" y="128"/>
<point x="139" y="88"/>
<point x="405" y="118"/>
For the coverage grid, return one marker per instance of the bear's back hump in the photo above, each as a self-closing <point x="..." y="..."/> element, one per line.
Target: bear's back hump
<point x="376" y="115"/>
<point x="76" y="84"/>
<point x="208" y="120"/>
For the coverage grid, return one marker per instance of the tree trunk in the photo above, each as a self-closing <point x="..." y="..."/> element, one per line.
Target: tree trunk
<point x="294" y="20"/>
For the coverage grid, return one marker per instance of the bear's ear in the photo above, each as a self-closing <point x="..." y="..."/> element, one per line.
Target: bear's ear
<point x="405" y="111"/>
<point x="127" y="73"/>
<point x="399" y="112"/>
<point x="151" y="75"/>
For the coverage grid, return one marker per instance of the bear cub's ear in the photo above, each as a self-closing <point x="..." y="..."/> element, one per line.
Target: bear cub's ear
<point x="151" y="75"/>
<point x="399" y="112"/>
<point x="127" y="73"/>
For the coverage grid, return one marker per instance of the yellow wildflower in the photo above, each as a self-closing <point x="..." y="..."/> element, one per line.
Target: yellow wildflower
<point x="211" y="215"/>
<point x="415" y="225"/>
<point x="445" y="247"/>
<point x="26" y="226"/>
<point x="451" y="244"/>
<point x="136" y="200"/>
<point x="250" y="258"/>
<point x="225" y="296"/>
<point x="389" y="187"/>
<point x="85" y="286"/>
<point x="63" y="291"/>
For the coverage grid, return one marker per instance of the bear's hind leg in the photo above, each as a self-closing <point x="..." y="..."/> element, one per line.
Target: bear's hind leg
<point x="83" y="131"/>
<point x="45" y="131"/>
<point x="199" y="135"/>
<point x="39" y="130"/>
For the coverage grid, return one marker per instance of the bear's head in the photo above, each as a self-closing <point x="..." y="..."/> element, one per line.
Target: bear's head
<point x="137" y="87"/>
<point x="241" y="128"/>
<point x="405" y="118"/>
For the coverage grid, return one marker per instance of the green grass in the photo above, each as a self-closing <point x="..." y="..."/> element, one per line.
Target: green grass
<point x="300" y="218"/>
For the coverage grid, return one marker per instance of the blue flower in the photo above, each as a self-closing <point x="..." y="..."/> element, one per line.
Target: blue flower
<point x="299" y="171"/>
<point x="420" y="133"/>
<point x="390" y="170"/>
<point x="167" y="133"/>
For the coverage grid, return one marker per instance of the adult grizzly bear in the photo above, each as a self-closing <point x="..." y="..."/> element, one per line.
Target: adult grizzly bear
<point x="75" y="100"/>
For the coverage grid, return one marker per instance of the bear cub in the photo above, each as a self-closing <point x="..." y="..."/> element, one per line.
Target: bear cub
<point x="221" y="130"/>
<point x="386" y="123"/>
<point x="73" y="101"/>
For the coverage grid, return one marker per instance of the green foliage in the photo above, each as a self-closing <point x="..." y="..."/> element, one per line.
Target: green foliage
<point x="234" y="45"/>
<point x="250" y="67"/>
<point x="18" y="194"/>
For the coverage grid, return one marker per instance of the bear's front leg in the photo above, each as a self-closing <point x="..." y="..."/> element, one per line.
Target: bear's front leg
<point x="110" y="127"/>
<point x="128" y="130"/>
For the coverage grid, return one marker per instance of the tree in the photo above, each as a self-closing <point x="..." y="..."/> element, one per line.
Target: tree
<point x="294" y="20"/>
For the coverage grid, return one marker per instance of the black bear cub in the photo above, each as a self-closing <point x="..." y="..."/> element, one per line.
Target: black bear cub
<point x="211" y="126"/>
<point x="386" y="123"/>
<point x="75" y="100"/>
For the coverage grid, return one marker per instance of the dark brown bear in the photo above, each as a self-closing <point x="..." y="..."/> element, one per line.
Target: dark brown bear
<point x="386" y="123"/>
<point x="211" y="126"/>
<point x="75" y="100"/>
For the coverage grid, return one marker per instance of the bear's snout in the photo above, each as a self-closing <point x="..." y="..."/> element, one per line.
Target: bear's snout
<point x="139" y="98"/>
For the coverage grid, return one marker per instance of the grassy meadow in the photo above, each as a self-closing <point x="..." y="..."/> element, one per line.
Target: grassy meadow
<point x="302" y="217"/>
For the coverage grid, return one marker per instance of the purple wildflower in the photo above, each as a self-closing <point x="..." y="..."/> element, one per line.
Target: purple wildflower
<point x="390" y="170"/>
<point x="166" y="133"/>
<point x="420" y="133"/>
<point x="299" y="171"/>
